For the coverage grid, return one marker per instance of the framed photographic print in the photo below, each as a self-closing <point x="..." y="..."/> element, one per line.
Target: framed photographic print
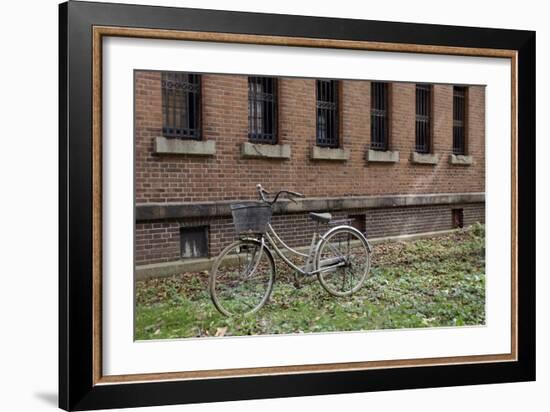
<point x="258" y="205"/>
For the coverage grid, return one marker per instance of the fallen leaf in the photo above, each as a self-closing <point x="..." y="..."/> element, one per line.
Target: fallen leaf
<point x="221" y="331"/>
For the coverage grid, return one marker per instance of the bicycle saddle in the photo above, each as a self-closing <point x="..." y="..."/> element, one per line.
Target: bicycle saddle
<point x="320" y="217"/>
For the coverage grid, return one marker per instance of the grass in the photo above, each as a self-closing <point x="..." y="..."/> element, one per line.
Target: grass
<point x="423" y="283"/>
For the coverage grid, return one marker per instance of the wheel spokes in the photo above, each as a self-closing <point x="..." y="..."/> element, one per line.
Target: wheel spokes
<point x="349" y="247"/>
<point x="242" y="279"/>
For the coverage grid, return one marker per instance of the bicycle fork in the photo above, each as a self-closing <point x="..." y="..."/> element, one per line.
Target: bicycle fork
<point x="254" y="262"/>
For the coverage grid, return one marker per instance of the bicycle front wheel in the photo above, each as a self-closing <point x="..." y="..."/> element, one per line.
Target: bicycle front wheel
<point x="343" y="261"/>
<point x="241" y="279"/>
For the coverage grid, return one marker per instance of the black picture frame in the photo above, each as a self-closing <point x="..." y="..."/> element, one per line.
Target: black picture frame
<point x="77" y="390"/>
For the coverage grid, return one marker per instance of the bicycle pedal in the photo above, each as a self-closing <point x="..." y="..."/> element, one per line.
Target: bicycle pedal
<point x="297" y="285"/>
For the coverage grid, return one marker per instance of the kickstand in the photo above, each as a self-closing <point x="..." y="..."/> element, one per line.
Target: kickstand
<point x="297" y="283"/>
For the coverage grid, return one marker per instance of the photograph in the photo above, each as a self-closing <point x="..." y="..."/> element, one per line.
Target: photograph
<point x="269" y="205"/>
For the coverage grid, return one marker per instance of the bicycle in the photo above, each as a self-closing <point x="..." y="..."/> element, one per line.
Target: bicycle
<point x="243" y="274"/>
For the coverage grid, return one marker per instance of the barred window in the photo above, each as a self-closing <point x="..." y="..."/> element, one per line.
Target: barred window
<point x="327" y="113"/>
<point x="423" y="117"/>
<point x="459" y="120"/>
<point x="380" y="129"/>
<point x="181" y="95"/>
<point x="262" y="109"/>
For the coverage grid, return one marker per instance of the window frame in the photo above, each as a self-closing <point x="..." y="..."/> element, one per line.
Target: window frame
<point x="460" y="147"/>
<point x="264" y="99"/>
<point x="191" y="89"/>
<point x="424" y="121"/>
<point x="377" y="113"/>
<point x="325" y="107"/>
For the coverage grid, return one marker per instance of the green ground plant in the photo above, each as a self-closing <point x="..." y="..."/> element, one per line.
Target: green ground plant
<point x="432" y="282"/>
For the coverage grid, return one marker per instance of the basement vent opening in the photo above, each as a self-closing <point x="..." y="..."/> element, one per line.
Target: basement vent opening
<point x="359" y="222"/>
<point x="458" y="218"/>
<point x="194" y="242"/>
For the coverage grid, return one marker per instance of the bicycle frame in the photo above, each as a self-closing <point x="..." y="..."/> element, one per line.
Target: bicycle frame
<point x="272" y="238"/>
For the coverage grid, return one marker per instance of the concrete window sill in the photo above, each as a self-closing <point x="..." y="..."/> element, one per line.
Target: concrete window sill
<point x="329" y="153"/>
<point x="381" y="156"/>
<point x="265" y="151"/>
<point x="164" y="145"/>
<point x="461" y="160"/>
<point x="424" y="158"/>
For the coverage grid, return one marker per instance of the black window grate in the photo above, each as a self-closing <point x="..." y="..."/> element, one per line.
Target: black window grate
<point x="379" y="116"/>
<point x="423" y="117"/>
<point x="262" y="109"/>
<point x="327" y="113"/>
<point x="181" y="105"/>
<point x="459" y="120"/>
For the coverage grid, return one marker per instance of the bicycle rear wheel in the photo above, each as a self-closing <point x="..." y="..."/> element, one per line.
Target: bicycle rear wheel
<point x="344" y="260"/>
<point x="241" y="279"/>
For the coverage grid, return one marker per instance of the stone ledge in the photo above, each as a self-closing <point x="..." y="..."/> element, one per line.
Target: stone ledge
<point x="382" y="156"/>
<point x="164" y="145"/>
<point x="157" y="211"/>
<point x="329" y="153"/>
<point x="265" y="151"/>
<point x="424" y="158"/>
<point x="461" y="160"/>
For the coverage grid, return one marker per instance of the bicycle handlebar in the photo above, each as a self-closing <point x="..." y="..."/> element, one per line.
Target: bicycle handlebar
<point x="290" y="194"/>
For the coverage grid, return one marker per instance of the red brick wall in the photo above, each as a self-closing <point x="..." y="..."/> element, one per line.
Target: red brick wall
<point x="175" y="178"/>
<point x="228" y="176"/>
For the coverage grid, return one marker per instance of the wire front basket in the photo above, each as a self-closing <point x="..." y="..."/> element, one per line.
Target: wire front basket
<point x="251" y="218"/>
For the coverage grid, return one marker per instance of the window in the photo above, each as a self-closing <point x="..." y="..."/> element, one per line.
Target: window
<point x="379" y="116"/>
<point x="327" y="113"/>
<point x="262" y="109"/>
<point x="194" y="241"/>
<point x="181" y="105"/>
<point x="459" y="120"/>
<point x="423" y="118"/>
